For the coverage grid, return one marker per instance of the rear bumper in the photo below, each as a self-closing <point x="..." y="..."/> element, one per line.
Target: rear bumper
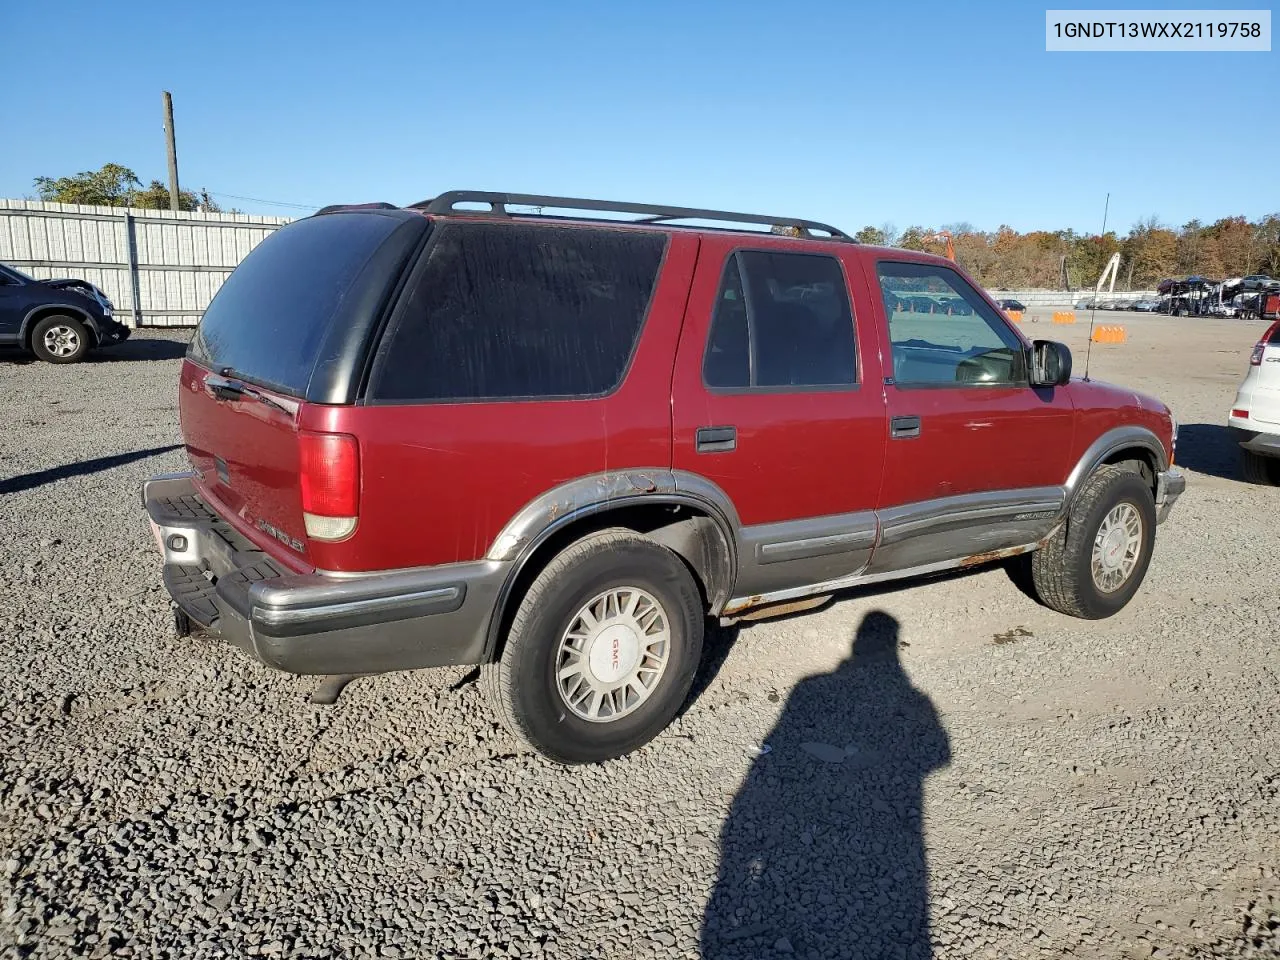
<point x="1266" y="444"/>
<point x="1170" y="485"/>
<point x="316" y="623"/>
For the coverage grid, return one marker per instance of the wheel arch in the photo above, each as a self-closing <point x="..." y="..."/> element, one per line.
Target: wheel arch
<point x="685" y="513"/>
<point x="55" y="310"/>
<point x="1117" y="446"/>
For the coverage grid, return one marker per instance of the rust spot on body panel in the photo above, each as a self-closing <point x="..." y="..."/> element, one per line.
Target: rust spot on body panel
<point x="740" y="605"/>
<point x="990" y="556"/>
<point x="784" y="608"/>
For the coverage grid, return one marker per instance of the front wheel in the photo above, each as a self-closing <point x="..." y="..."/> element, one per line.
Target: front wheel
<point x="602" y="650"/>
<point x="1093" y="565"/>
<point x="59" y="340"/>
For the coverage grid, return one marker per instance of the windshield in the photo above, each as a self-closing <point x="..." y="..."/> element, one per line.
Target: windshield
<point x="17" y="273"/>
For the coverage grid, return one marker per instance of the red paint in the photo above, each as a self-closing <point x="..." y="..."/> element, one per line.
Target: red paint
<point x="799" y="454"/>
<point x="971" y="438"/>
<point x="977" y="438"/>
<point x="1102" y="406"/>
<point x="437" y="482"/>
<point x="259" y="446"/>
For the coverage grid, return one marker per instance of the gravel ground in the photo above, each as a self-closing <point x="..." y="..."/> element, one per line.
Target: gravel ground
<point x="944" y="769"/>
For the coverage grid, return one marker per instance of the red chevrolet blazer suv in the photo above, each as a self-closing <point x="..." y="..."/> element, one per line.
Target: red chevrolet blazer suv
<point x="557" y="437"/>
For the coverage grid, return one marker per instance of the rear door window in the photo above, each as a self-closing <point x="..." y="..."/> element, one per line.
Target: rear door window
<point x="781" y="321"/>
<point x="268" y="319"/>
<point x="508" y="311"/>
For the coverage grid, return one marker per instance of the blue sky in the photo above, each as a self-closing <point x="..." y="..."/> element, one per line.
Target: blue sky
<point x="911" y="113"/>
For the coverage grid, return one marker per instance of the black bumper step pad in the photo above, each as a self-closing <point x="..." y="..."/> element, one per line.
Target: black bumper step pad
<point x="192" y="592"/>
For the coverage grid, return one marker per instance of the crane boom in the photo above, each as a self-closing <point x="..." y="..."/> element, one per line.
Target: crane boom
<point x="944" y="235"/>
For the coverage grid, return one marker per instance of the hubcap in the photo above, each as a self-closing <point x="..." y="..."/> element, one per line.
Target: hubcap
<point x="613" y="654"/>
<point x="61" y="341"/>
<point x="1117" y="547"/>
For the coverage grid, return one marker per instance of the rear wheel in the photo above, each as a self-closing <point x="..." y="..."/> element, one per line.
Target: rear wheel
<point x="1093" y="566"/>
<point x="602" y="650"/>
<point x="59" y="340"/>
<point x="1259" y="469"/>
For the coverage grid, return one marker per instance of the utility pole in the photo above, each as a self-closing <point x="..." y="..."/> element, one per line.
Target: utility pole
<point x="173" y="151"/>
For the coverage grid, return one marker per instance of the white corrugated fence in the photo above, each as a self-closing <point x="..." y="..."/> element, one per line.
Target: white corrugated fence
<point x="159" y="267"/>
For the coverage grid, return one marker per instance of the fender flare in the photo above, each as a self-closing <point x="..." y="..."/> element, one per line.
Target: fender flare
<point x="550" y="512"/>
<point x="1111" y="442"/>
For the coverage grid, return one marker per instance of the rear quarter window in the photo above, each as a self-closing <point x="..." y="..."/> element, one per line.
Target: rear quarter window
<point x="512" y="311"/>
<point x="270" y="316"/>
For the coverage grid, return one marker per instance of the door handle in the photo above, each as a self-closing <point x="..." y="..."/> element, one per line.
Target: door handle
<point x="904" y="428"/>
<point x="717" y="439"/>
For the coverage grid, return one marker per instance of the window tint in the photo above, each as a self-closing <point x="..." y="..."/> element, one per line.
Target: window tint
<point x="943" y="331"/>
<point x="781" y="320"/>
<point x="508" y="311"/>
<point x="268" y="319"/>
<point x="14" y="275"/>
<point x="727" y="363"/>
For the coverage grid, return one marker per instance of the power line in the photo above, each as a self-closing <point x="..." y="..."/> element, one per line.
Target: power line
<point x="273" y="203"/>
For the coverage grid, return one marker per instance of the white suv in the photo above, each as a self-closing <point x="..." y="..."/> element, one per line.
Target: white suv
<point x="1255" y="416"/>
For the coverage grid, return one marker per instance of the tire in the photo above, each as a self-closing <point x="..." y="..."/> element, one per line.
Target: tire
<point x="60" y="339"/>
<point x="525" y="685"/>
<point x="1259" y="469"/>
<point x="1063" y="569"/>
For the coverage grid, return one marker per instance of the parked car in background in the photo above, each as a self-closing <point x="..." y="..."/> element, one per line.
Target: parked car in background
<point x="1254" y="420"/>
<point x="559" y="446"/>
<point x="1145" y="306"/>
<point x="57" y="320"/>
<point x="1008" y="305"/>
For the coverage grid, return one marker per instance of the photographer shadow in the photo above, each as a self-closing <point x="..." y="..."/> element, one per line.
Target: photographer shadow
<point x="823" y="850"/>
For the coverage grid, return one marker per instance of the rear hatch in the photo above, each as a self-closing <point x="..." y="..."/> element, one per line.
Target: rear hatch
<point x="288" y="329"/>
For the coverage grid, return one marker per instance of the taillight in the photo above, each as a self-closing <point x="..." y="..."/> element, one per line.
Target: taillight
<point x="1240" y="414"/>
<point x="329" y="464"/>
<point x="1255" y="358"/>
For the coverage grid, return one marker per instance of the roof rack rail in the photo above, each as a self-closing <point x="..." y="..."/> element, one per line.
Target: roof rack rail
<point x="335" y="207"/>
<point x="446" y="203"/>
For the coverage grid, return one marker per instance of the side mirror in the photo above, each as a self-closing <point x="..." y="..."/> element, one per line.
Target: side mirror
<point x="1050" y="363"/>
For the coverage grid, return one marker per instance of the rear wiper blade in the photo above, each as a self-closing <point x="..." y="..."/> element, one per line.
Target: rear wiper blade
<point x="229" y="389"/>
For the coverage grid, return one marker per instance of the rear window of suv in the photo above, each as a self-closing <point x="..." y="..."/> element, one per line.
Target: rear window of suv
<point x="511" y="311"/>
<point x="268" y="319"/>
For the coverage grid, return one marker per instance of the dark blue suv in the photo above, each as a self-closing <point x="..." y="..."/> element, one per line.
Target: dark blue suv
<point x="58" y="320"/>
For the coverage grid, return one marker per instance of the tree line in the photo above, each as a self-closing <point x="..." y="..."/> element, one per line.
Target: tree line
<point x="117" y="186"/>
<point x="1150" y="252"/>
